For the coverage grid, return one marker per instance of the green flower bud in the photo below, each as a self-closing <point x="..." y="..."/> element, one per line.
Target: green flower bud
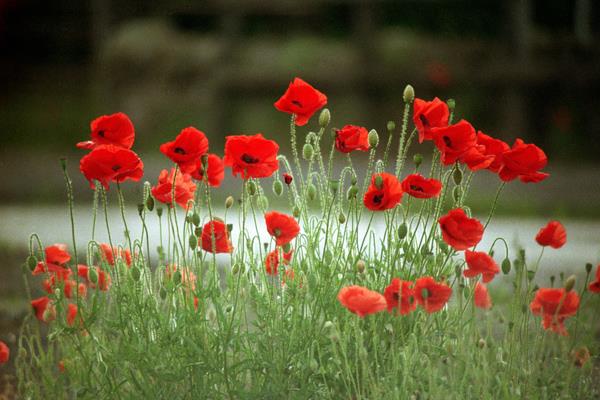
<point x="150" y="203"/>
<point x="135" y="273"/>
<point x="342" y="218"/>
<point x="402" y="231"/>
<point x="140" y="208"/>
<point x="451" y="104"/>
<point x="229" y="202"/>
<point x="373" y="138"/>
<point x="588" y="267"/>
<point x="457" y="176"/>
<point x="193" y="241"/>
<point x="353" y="180"/>
<point x="570" y="283"/>
<point x="286" y="247"/>
<point x="31" y="262"/>
<point x="177" y="277"/>
<point x="409" y="94"/>
<point x="334" y="185"/>
<point x="195" y="219"/>
<point x="324" y="118"/>
<point x="163" y="293"/>
<point x="92" y="275"/>
<point x="418" y="159"/>
<point x="391" y="126"/>
<point x="159" y="211"/>
<point x="307" y="152"/>
<point x="506" y="266"/>
<point x="296" y="212"/>
<point x="360" y="266"/>
<point x="251" y="186"/>
<point x="311" y="192"/>
<point x="379" y="182"/>
<point x="277" y="187"/>
<point x="188" y="219"/>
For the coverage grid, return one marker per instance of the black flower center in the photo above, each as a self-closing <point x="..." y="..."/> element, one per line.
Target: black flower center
<point x="179" y="150"/>
<point x="377" y="198"/>
<point x="297" y="103"/>
<point x="101" y="133"/>
<point x="447" y="141"/>
<point x="116" y="167"/>
<point x="248" y="159"/>
<point x="396" y="296"/>
<point x="416" y="188"/>
<point x="424" y="120"/>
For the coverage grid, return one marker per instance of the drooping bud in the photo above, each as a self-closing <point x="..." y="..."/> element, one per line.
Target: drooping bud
<point x="353" y="180"/>
<point x="296" y="212"/>
<point x="391" y="126"/>
<point x="311" y="192"/>
<point x="352" y="192"/>
<point x="402" y="231"/>
<point x="229" y="202"/>
<point x="135" y="273"/>
<point x="552" y="279"/>
<point x="277" y="187"/>
<point x="92" y="275"/>
<point x="360" y="266"/>
<point x="570" y="283"/>
<point x="334" y="185"/>
<point x="31" y="262"/>
<point x="251" y="186"/>
<point x="308" y="151"/>
<point x="341" y="218"/>
<point x="457" y="176"/>
<point x="193" y="241"/>
<point x="195" y="219"/>
<point x="506" y="266"/>
<point x="418" y="159"/>
<point x="451" y="104"/>
<point x="324" y="118"/>
<point x="287" y="178"/>
<point x="379" y="182"/>
<point x="588" y="267"/>
<point x="409" y="94"/>
<point x="373" y="138"/>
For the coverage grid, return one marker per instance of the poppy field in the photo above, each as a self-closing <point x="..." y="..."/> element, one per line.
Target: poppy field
<point x="352" y="269"/>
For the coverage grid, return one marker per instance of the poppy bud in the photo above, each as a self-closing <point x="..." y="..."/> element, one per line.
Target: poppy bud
<point x="481" y="343"/>
<point x="193" y="241"/>
<point x="391" y="126"/>
<point x="135" y="273"/>
<point x="312" y="192"/>
<point x="195" y="219"/>
<point x="360" y="266"/>
<point x="506" y="266"/>
<point x="443" y="246"/>
<point x="163" y="293"/>
<point x="251" y="186"/>
<point x="379" y="182"/>
<point x="287" y="178"/>
<point x="353" y="180"/>
<point x="188" y="219"/>
<point x="588" y="267"/>
<point x="277" y="187"/>
<point x="457" y="176"/>
<point x="262" y="202"/>
<point x="402" y="231"/>
<point x="307" y="151"/>
<point x="373" y="138"/>
<point x="552" y="279"/>
<point x="235" y="269"/>
<point x="177" y="277"/>
<point x="92" y="275"/>
<point x="286" y="247"/>
<point x="324" y="118"/>
<point x="409" y="94"/>
<point x="418" y="159"/>
<point x="150" y="203"/>
<point x="342" y="218"/>
<point x="456" y="193"/>
<point x="570" y="283"/>
<point x="229" y="202"/>
<point x="352" y="192"/>
<point x="296" y="212"/>
<point x="334" y="185"/>
<point x="31" y="262"/>
<point x="451" y="104"/>
<point x="530" y="275"/>
<point x="159" y="211"/>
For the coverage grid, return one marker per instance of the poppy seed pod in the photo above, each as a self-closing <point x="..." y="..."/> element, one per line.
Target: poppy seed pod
<point x="251" y="186"/>
<point x="409" y="94"/>
<point x="457" y="176"/>
<point x="391" y="126"/>
<point x="159" y="211"/>
<point x="277" y="187"/>
<point x="418" y="159"/>
<point x="342" y="218"/>
<point x="360" y="266"/>
<point x="308" y="151"/>
<point x="334" y="185"/>
<point x="506" y="266"/>
<point x="588" y="267"/>
<point x="193" y="241"/>
<point x="324" y="118"/>
<point x="570" y="283"/>
<point x="92" y="275"/>
<point x="135" y="273"/>
<point x="373" y="138"/>
<point x="31" y="262"/>
<point x="229" y="202"/>
<point x="286" y="247"/>
<point x="402" y="231"/>
<point x="150" y="203"/>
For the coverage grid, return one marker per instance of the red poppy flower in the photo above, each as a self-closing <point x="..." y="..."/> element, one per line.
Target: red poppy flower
<point x="493" y="147"/>
<point x="420" y="187"/>
<point x="523" y="161"/>
<point x="109" y="163"/>
<point x="272" y="261"/>
<point x="460" y="231"/>
<point x="428" y="115"/>
<point x="71" y="314"/>
<point x="385" y="192"/>
<point x="218" y="229"/>
<point x="287" y="178"/>
<point x="109" y="254"/>
<point x="185" y="188"/>
<point x="216" y="170"/>
<point x="476" y="159"/>
<point x="431" y="295"/>
<point x="103" y="278"/>
<point x="595" y="285"/>
<point x="56" y="258"/>
<point x="251" y="156"/>
<point x="555" y="306"/>
<point x="400" y="295"/>
<point x="186" y="149"/>
<point x="301" y="99"/>
<point x="115" y="129"/>
<point x="482" y="298"/>
<point x="4" y="353"/>
<point x="70" y="285"/>
<point x="361" y="301"/>
<point x="350" y="138"/>
<point x="479" y="262"/>
<point x="454" y="141"/>
<point x="553" y="235"/>
<point x="282" y="227"/>
<point x="44" y="310"/>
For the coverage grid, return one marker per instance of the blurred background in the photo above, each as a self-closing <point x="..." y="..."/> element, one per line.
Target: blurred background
<point x="517" y="68"/>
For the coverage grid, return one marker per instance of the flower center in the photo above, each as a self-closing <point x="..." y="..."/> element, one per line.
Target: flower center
<point x="425" y="293"/>
<point x="377" y="198"/>
<point x="416" y="188"/>
<point x="424" y="121"/>
<point x="101" y="133"/>
<point x="297" y="103"/>
<point x="179" y="150"/>
<point x="116" y="167"/>
<point x="248" y="159"/>
<point x="447" y="141"/>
